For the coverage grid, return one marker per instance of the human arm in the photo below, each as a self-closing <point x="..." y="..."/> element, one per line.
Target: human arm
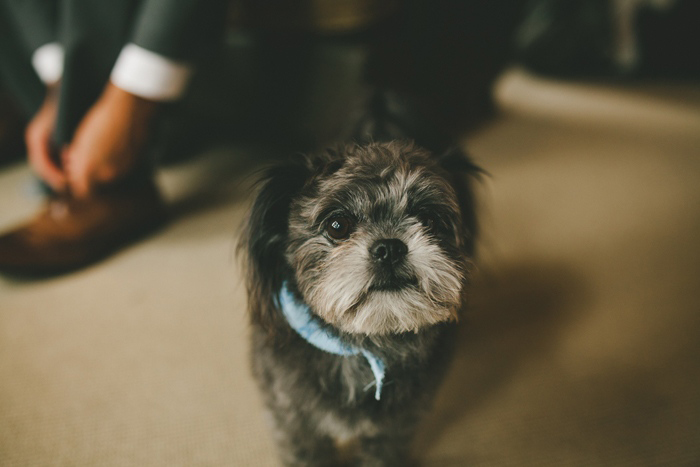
<point x="169" y="37"/>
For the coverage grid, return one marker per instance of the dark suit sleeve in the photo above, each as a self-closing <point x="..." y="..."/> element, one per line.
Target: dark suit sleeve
<point x="35" y="20"/>
<point x="184" y="30"/>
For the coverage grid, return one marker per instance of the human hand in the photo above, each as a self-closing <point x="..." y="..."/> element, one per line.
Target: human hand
<point x="37" y="137"/>
<point x="109" y="140"/>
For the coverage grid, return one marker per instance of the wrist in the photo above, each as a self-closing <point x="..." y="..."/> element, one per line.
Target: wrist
<point x="128" y="103"/>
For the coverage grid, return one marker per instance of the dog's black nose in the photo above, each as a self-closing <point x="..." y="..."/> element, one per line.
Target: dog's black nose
<point x="388" y="250"/>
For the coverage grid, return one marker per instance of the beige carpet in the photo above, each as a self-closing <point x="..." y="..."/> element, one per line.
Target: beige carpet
<point x="582" y="347"/>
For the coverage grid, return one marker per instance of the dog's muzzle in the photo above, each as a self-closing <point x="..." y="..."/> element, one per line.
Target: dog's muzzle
<point x="389" y="255"/>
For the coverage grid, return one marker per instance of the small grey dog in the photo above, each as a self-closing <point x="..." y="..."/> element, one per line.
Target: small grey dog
<point x="357" y="259"/>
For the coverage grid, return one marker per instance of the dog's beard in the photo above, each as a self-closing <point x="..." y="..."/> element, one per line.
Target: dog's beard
<point x="345" y="287"/>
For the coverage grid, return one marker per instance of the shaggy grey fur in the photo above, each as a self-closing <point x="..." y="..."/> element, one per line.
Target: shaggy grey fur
<point x="377" y="240"/>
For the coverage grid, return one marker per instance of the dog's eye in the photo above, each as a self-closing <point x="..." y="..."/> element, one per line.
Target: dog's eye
<point x="428" y="222"/>
<point x="339" y="228"/>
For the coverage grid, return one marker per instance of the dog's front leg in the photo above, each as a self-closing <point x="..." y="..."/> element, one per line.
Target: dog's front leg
<point x="299" y="444"/>
<point x="390" y="449"/>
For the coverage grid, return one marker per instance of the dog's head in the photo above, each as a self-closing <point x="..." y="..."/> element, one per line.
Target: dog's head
<point x="376" y="239"/>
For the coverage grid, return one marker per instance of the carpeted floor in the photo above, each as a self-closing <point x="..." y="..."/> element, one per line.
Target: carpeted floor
<point x="582" y="346"/>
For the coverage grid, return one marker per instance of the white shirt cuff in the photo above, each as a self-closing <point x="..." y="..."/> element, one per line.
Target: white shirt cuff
<point x="149" y="75"/>
<point x="47" y="60"/>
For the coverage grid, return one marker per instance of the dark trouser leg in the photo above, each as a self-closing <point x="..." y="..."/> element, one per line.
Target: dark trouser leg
<point x="442" y="56"/>
<point x="22" y="91"/>
<point x="16" y="73"/>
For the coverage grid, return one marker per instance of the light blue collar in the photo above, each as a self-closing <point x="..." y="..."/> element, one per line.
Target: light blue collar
<point x="302" y="321"/>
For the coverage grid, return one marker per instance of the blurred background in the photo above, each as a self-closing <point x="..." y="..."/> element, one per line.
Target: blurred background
<point x="581" y="344"/>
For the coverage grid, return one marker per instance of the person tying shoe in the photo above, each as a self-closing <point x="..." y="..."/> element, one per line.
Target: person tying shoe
<point x="106" y="69"/>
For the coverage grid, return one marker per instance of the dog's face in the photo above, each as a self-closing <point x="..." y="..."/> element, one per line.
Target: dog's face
<point x="376" y="239"/>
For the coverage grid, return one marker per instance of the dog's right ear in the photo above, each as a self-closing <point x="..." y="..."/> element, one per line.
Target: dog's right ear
<point x="464" y="172"/>
<point x="265" y="237"/>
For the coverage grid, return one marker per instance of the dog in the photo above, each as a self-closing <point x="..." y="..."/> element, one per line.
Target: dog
<point x="357" y="259"/>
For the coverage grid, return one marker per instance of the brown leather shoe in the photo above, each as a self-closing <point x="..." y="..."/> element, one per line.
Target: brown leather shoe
<point x="71" y="233"/>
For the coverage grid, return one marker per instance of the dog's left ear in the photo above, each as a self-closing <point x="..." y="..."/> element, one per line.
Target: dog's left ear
<point x="463" y="172"/>
<point x="265" y="238"/>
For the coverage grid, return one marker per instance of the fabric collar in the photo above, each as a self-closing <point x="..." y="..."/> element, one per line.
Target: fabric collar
<point x="300" y="318"/>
